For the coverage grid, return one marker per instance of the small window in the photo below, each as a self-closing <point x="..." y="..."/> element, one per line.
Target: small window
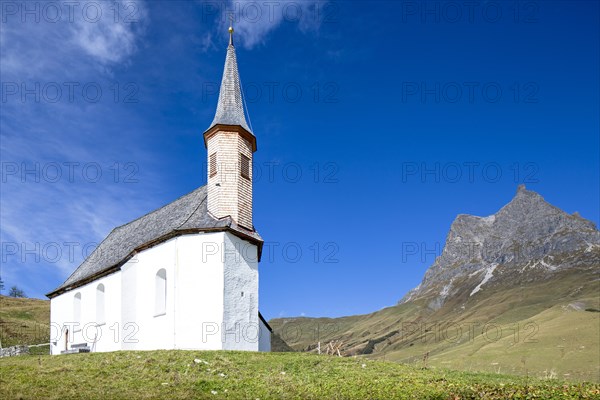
<point x="245" y="166"/>
<point x="100" y="319"/>
<point x="160" y="303"/>
<point x="212" y="165"/>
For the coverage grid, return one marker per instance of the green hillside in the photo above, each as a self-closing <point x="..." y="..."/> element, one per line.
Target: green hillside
<point x="24" y="321"/>
<point x="544" y="329"/>
<point x="244" y="375"/>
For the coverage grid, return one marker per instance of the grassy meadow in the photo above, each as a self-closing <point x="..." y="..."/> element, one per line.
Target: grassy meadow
<point x="243" y="375"/>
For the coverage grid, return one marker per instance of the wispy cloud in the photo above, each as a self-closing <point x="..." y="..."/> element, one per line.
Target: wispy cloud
<point x="86" y="33"/>
<point x="60" y="127"/>
<point x="113" y="37"/>
<point x="255" y="20"/>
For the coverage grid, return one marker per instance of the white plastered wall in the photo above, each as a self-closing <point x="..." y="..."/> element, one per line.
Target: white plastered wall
<point x="240" y="328"/>
<point x="206" y="274"/>
<point x="87" y="329"/>
<point x="199" y="292"/>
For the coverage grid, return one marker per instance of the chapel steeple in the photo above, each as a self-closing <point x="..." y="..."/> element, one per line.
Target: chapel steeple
<point x="230" y="106"/>
<point x="230" y="144"/>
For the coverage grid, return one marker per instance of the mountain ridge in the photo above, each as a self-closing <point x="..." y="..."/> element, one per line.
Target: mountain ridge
<point x="530" y="269"/>
<point x="526" y="230"/>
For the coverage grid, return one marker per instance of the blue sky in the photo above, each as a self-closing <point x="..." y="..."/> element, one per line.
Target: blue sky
<point x="377" y="123"/>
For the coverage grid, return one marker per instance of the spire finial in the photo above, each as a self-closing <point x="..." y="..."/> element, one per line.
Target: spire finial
<point x="231" y="29"/>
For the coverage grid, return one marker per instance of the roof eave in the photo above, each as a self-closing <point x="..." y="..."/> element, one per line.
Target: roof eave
<point x="265" y="322"/>
<point x="63" y="289"/>
<point x="230" y="128"/>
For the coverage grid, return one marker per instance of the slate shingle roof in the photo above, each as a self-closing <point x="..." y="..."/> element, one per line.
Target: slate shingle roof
<point x="188" y="214"/>
<point x="230" y="107"/>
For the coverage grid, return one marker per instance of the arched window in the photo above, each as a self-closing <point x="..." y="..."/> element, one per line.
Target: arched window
<point x="100" y="319"/>
<point x="160" y="292"/>
<point x="77" y="309"/>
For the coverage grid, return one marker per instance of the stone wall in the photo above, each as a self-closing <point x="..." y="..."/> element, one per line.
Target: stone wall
<point x="14" y="351"/>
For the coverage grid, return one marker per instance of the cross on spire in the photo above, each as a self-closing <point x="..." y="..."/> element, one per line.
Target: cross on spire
<point x="231" y="29"/>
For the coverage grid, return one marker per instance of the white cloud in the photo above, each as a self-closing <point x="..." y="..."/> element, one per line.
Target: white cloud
<point x="36" y="212"/>
<point x="44" y="49"/>
<point x="107" y="35"/>
<point x="254" y="20"/>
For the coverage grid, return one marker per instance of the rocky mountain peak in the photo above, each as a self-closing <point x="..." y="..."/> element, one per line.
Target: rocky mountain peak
<point x="526" y="235"/>
<point x="526" y="201"/>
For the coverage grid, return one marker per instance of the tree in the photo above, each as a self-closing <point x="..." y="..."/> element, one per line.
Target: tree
<point x="16" y="292"/>
<point x="1" y="285"/>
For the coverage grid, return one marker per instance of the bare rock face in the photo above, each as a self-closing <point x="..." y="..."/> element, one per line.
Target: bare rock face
<point x="528" y="239"/>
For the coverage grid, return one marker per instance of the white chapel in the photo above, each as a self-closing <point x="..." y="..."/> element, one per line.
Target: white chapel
<point x="184" y="276"/>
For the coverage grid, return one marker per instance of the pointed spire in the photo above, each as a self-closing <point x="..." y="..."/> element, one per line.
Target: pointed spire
<point x="230" y="107"/>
